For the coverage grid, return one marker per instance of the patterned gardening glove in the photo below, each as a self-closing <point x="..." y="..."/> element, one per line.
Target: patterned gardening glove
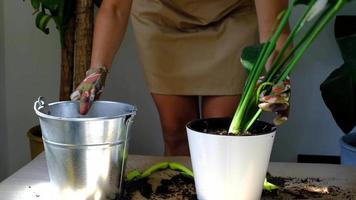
<point x="277" y="101"/>
<point x="90" y="88"/>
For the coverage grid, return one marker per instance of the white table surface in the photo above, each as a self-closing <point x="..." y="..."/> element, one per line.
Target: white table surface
<point x="32" y="181"/>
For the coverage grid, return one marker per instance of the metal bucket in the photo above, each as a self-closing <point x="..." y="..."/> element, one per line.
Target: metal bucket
<point x="86" y="154"/>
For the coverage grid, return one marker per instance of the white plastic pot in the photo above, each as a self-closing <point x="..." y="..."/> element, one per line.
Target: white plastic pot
<point x="228" y="167"/>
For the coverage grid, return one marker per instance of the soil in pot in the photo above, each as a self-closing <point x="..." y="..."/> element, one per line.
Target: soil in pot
<point x="214" y="126"/>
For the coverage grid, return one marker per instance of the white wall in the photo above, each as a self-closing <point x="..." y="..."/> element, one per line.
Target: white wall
<point x="32" y="69"/>
<point x="3" y="140"/>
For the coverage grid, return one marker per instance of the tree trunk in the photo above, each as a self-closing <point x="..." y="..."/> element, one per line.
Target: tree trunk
<point x="67" y="65"/>
<point x="84" y="15"/>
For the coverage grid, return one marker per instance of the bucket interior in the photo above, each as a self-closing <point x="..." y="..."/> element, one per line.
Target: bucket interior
<point x="99" y="109"/>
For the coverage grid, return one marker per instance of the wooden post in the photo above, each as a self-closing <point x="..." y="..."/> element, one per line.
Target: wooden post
<point x="67" y="62"/>
<point x="84" y="15"/>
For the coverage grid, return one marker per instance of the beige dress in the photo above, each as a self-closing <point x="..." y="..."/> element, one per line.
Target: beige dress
<point x="193" y="47"/>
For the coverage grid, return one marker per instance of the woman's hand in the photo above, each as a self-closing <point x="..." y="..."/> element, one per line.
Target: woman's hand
<point x="90" y="88"/>
<point x="277" y="101"/>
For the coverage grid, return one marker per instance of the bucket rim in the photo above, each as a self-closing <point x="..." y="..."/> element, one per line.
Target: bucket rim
<point x="47" y="116"/>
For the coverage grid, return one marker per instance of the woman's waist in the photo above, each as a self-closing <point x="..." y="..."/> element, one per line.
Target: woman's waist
<point x="194" y="12"/>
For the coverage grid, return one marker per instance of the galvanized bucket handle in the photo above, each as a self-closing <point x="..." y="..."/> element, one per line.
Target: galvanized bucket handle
<point x="129" y="119"/>
<point x="41" y="104"/>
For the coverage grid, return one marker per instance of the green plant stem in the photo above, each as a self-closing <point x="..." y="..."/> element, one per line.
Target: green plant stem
<point x="249" y="78"/>
<point x="135" y="174"/>
<point x="306" y="40"/>
<point x="181" y="168"/>
<point x="275" y="65"/>
<point x="258" y="93"/>
<point x="288" y="56"/>
<point x="154" y="168"/>
<point x="318" y="26"/>
<point x="296" y="29"/>
<point x="238" y="121"/>
<point x="253" y="119"/>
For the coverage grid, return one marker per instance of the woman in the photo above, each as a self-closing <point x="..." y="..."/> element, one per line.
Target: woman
<point x="189" y="48"/>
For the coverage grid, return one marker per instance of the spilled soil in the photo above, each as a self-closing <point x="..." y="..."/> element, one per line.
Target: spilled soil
<point x="307" y="188"/>
<point x="170" y="185"/>
<point x="177" y="187"/>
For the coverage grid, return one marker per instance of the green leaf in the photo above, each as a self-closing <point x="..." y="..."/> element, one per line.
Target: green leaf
<point x="134" y="174"/>
<point x="339" y="94"/>
<point x="250" y="55"/>
<point x="35" y="4"/>
<point x="51" y="5"/>
<point x="42" y="20"/>
<point x="269" y="186"/>
<point x="345" y="33"/>
<point x="339" y="88"/>
<point x="348" y="48"/>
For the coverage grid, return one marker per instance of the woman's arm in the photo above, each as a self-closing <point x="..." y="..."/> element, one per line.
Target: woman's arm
<point x="267" y="12"/>
<point x="109" y="30"/>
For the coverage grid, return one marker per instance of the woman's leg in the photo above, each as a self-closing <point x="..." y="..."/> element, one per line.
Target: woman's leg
<point x="175" y="112"/>
<point x="219" y="106"/>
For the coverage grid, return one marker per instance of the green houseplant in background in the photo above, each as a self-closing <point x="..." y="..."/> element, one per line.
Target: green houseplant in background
<point x="233" y="165"/>
<point x="339" y="88"/>
<point x="74" y="22"/>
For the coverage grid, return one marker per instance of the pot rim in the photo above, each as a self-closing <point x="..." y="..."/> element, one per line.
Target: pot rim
<point x="189" y="126"/>
<point x="32" y="136"/>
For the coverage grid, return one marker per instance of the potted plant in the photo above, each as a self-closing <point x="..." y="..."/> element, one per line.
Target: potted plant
<point x="73" y="19"/>
<point x="230" y="157"/>
<point x="339" y="88"/>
